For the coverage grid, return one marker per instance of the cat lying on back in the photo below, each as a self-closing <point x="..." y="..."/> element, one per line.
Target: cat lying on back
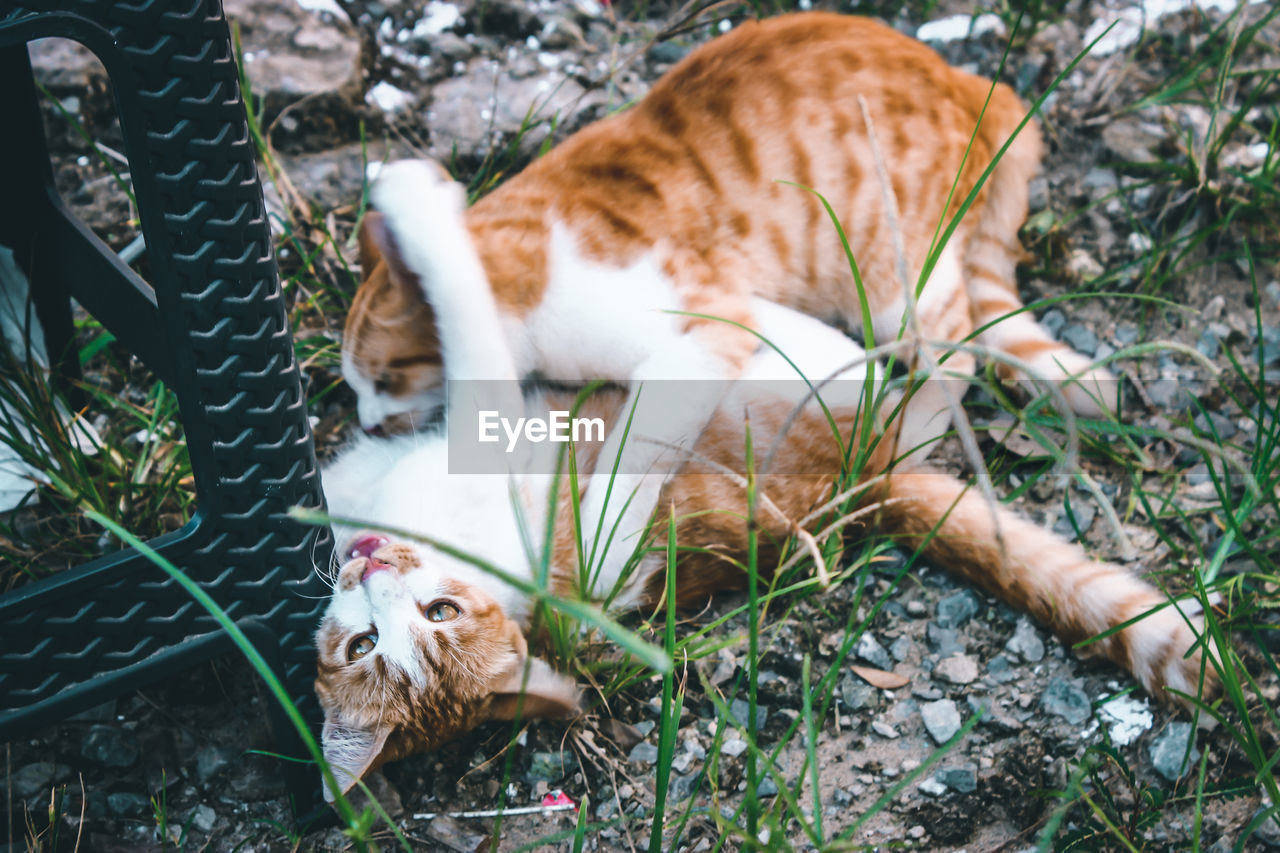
<point x="418" y="646"/>
<point x="678" y="205"/>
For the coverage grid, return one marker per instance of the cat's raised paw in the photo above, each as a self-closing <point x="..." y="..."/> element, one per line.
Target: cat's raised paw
<point x="407" y="189"/>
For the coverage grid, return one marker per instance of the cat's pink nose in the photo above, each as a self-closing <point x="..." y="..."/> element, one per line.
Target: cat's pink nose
<point x="373" y="566"/>
<point x="375" y="430"/>
<point x="366" y="545"/>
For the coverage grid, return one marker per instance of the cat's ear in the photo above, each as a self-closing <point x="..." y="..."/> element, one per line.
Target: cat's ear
<point x="351" y="752"/>
<point x="377" y="243"/>
<point x="546" y="693"/>
<point x="366" y="240"/>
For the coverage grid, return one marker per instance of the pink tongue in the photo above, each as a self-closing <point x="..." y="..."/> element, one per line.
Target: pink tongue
<point x="366" y="545"/>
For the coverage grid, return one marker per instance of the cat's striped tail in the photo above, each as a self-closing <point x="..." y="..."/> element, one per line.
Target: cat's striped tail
<point x="1055" y="581"/>
<point x="992" y="253"/>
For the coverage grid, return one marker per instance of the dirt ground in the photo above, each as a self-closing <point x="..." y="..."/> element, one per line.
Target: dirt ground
<point x="456" y="80"/>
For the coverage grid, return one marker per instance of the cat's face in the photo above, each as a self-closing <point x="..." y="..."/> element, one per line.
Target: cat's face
<point x="390" y="349"/>
<point x="410" y="659"/>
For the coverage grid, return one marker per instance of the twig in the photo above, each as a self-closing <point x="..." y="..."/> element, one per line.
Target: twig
<point x="519" y="810"/>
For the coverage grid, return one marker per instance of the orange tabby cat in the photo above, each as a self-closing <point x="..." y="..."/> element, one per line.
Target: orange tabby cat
<point x="679" y="204"/>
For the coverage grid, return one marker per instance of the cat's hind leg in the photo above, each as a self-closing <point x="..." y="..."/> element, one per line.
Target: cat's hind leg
<point x="941" y="319"/>
<point x="991" y="255"/>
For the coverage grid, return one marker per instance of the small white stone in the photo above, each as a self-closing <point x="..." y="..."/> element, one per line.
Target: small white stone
<point x="957" y="27"/>
<point x="884" y="729"/>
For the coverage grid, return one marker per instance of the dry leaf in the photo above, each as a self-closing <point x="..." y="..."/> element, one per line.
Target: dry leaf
<point x="880" y="678"/>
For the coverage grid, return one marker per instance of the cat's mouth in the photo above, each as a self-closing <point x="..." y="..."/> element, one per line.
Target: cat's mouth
<point x="364" y="546"/>
<point x="373" y="566"/>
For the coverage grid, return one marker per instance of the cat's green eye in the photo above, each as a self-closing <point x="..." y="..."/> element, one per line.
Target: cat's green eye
<point x="441" y="611"/>
<point x="361" y="646"/>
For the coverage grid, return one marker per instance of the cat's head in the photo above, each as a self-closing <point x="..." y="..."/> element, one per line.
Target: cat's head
<point x="410" y="659"/>
<point x="391" y="354"/>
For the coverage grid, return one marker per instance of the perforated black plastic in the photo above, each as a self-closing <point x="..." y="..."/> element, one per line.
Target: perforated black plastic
<point x="214" y="328"/>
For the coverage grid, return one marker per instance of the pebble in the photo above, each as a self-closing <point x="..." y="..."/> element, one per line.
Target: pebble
<point x="643" y="753"/>
<point x="1053" y="320"/>
<point x="901" y="648"/>
<point x="682" y="787"/>
<point x="739" y="708"/>
<point x="1026" y="642"/>
<point x="204" y="818"/>
<point x="1083" y="265"/>
<point x="766" y="787"/>
<point x="941" y="719"/>
<point x="957" y="609"/>
<point x="1104" y="180"/>
<point x="666" y="52"/>
<point x="109" y="746"/>
<point x="1063" y="699"/>
<point x="127" y="804"/>
<point x="957" y="669"/>
<point x="856" y="695"/>
<point x="943" y="641"/>
<point x="548" y="766"/>
<point x="883" y="729"/>
<point x="1083" y="512"/>
<point x="1268" y="832"/>
<point x="916" y="832"/>
<point x="962" y="778"/>
<point x="1080" y="338"/>
<point x="36" y="779"/>
<point x="992" y="715"/>
<point x="916" y="608"/>
<point x="1132" y="140"/>
<point x="1170" y="748"/>
<point x="1000" y="670"/>
<point x="932" y="787"/>
<point x="1208" y="344"/>
<point x="210" y="760"/>
<point x="1216" y="424"/>
<point x="1038" y="194"/>
<point x="733" y="747"/>
<point x="870" y="650"/>
<point x="1126" y="719"/>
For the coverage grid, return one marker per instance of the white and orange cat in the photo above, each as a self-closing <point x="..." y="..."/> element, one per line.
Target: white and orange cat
<point x="621" y="253"/>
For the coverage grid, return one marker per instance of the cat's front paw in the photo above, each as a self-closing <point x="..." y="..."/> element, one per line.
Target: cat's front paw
<point x="406" y="188"/>
<point x="423" y="210"/>
<point x="422" y="204"/>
